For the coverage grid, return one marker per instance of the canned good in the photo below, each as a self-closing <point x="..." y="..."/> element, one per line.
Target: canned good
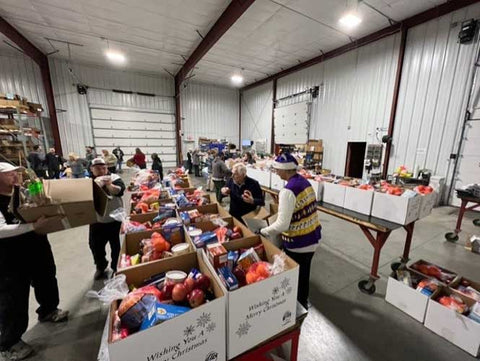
<point x="175" y="276"/>
<point x="195" y="233"/>
<point x="180" y="248"/>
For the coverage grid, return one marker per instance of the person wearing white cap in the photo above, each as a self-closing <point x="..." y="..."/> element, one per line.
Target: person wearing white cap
<point x="297" y="221"/>
<point x="25" y="259"/>
<point x="107" y="229"/>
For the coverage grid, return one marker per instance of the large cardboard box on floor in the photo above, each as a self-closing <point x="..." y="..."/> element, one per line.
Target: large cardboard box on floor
<point x="396" y="209"/>
<point x="277" y="183"/>
<point x="261" y="310"/>
<point x="358" y="200"/>
<point x="318" y="188"/>
<point x="334" y="194"/>
<point x="261" y="176"/>
<point x="452" y="326"/>
<point x="196" y="335"/>
<point x="426" y="205"/>
<point x="407" y="299"/>
<point x="79" y="200"/>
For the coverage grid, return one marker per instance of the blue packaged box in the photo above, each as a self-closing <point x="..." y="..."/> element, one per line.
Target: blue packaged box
<point x="228" y="278"/>
<point x="204" y="239"/>
<point x="160" y="312"/>
<point x="232" y="259"/>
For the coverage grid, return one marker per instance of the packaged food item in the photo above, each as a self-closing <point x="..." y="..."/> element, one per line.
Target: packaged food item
<point x="453" y="302"/>
<point x="434" y="271"/>
<point x="228" y="278"/>
<point x="134" y="308"/>
<point x="427" y="286"/>
<point x="160" y="312"/>
<point x="248" y="258"/>
<point x="217" y="255"/>
<point x="205" y="239"/>
<point x="221" y="233"/>
<point x="175" y="276"/>
<point x="475" y="312"/>
<point x="180" y="248"/>
<point x="135" y="259"/>
<point x="118" y="332"/>
<point x="232" y="259"/>
<point x="469" y="291"/>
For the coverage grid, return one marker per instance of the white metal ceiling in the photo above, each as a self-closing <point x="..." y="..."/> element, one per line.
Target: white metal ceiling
<point x="157" y="34"/>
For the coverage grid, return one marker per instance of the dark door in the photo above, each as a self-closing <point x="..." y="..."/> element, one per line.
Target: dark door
<point x="355" y="159"/>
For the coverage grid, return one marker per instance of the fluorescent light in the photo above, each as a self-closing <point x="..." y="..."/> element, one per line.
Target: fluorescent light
<point x="350" y="20"/>
<point x="237" y="79"/>
<point x="115" y="57"/>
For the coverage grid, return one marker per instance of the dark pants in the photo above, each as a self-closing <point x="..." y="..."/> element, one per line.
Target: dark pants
<point x="196" y="169"/>
<point x="112" y="169"/>
<point x="142" y="166"/>
<point x="26" y="261"/>
<point x="304" y="260"/>
<point x="218" y="189"/>
<point x="99" y="235"/>
<point x="53" y="174"/>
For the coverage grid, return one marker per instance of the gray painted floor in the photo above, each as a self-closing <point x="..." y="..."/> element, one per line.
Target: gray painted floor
<point x="343" y="323"/>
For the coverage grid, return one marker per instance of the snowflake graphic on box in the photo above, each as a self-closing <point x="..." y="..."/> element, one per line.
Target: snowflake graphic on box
<point x="204" y="320"/>
<point x="275" y="291"/>
<point x="211" y="327"/>
<point x="243" y="329"/>
<point x="285" y="283"/>
<point x="189" y="330"/>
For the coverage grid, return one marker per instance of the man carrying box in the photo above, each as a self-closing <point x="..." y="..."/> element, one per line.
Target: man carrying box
<point x="107" y="229"/>
<point x="25" y="259"/>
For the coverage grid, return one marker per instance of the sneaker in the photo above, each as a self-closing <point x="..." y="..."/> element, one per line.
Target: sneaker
<point x="55" y="316"/>
<point x="99" y="274"/>
<point x="19" y="351"/>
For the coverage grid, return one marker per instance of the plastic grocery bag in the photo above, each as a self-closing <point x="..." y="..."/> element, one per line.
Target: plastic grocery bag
<point x="115" y="288"/>
<point x="119" y="214"/>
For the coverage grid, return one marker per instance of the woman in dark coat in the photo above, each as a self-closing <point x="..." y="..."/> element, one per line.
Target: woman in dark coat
<point x="157" y="164"/>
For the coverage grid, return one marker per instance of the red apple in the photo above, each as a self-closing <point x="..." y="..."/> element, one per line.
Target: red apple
<point x="202" y="283"/>
<point x="167" y="290"/>
<point x="197" y="298"/>
<point x="179" y="292"/>
<point x="189" y="284"/>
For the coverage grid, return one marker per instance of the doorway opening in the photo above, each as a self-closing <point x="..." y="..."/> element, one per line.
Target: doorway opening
<point x="355" y="159"/>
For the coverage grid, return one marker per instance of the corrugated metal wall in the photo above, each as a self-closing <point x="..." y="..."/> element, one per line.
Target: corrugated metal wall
<point x="21" y="75"/>
<point x="74" y="116"/>
<point x="209" y="111"/>
<point x="356" y="91"/>
<point x="257" y="114"/>
<point x="433" y="94"/>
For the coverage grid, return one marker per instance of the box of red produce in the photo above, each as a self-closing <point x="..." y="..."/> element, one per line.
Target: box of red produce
<point x="428" y="269"/>
<point x="409" y="291"/>
<point x="213" y="208"/>
<point x="466" y="287"/>
<point x="359" y="199"/>
<point x="395" y="207"/>
<point x="194" y="333"/>
<point x="449" y="315"/>
<point x="265" y="302"/>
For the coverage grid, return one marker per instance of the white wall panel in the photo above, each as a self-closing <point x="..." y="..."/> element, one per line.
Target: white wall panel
<point x="21" y="75"/>
<point x="209" y="111"/>
<point x="433" y="94"/>
<point x="355" y="97"/>
<point x="257" y="113"/>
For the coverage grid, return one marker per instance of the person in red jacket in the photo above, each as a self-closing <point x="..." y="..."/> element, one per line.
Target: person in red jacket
<point x="140" y="159"/>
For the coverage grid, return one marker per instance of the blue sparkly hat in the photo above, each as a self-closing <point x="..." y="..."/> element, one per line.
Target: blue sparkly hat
<point x="285" y="161"/>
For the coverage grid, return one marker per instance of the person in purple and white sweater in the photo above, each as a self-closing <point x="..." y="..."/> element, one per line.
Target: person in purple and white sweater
<point x="297" y="221"/>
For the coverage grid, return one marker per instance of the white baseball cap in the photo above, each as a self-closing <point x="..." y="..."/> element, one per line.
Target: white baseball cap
<point x="7" y="167"/>
<point x="98" y="161"/>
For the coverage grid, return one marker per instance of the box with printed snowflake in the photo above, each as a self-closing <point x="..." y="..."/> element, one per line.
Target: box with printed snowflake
<point x="266" y="304"/>
<point x="171" y="331"/>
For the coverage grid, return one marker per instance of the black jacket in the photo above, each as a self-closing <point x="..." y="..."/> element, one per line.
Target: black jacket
<point x="35" y="161"/>
<point x="53" y="161"/>
<point x="238" y="207"/>
<point x="118" y="153"/>
<point x="157" y="165"/>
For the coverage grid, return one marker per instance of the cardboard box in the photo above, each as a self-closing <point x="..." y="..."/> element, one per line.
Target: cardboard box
<point x="458" y="281"/>
<point x="315" y="146"/>
<point x="334" y="194"/>
<point x="261" y="310"/>
<point x="260" y="218"/>
<point x="407" y="299"/>
<point x="452" y="326"/>
<point x="276" y="182"/>
<point x="213" y="208"/>
<point x="412" y="266"/>
<point x="318" y="188"/>
<point x="396" y="209"/>
<point x="427" y="203"/>
<point x="358" y="200"/>
<point x="217" y="255"/>
<point x="261" y="176"/>
<point x="196" y="335"/>
<point x="79" y="200"/>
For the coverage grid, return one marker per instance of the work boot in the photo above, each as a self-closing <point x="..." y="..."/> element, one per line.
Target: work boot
<point x="55" y="316"/>
<point x="19" y="351"/>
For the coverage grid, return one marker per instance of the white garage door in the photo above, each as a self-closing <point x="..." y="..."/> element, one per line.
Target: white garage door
<point x="152" y="132"/>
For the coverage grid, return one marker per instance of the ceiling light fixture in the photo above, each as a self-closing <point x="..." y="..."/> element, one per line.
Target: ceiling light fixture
<point x="115" y="57"/>
<point x="237" y="79"/>
<point x="350" y="20"/>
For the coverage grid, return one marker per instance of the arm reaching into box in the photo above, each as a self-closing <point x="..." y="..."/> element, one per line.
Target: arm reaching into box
<point x="286" y="206"/>
<point x="42" y="226"/>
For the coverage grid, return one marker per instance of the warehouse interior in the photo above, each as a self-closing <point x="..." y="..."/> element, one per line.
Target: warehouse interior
<point x="160" y="75"/>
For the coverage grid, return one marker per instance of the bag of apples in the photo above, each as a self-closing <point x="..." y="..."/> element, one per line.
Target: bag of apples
<point x="175" y="310"/>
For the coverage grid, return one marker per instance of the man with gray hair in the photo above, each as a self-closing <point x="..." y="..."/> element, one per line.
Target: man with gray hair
<point x="245" y="192"/>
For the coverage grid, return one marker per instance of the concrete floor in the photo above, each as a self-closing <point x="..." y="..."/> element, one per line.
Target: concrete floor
<point x="343" y="323"/>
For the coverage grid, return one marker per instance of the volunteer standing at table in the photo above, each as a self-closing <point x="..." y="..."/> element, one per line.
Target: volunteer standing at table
<point x="107" y="229"/>
<point x="297" y="221"/>
<point x="245" y="193"/>
<point x="26" y="260"/>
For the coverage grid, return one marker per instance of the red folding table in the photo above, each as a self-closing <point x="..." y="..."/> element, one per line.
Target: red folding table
<point x="453" y="236"/>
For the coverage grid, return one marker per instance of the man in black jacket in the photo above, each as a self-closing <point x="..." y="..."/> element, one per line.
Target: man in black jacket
<point x="54" y="163"/>
<point x="36" y="160"/>
<point x="25" y="259"/>
<point x="119" y="154"/>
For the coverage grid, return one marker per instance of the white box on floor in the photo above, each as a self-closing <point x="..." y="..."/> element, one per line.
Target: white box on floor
<point x="259" y="311"/>
<point x="261" y="176"/>
<point x="358" y="200"/>
<point x="198" y="334"/>
<point x="427" y="204"/>
<point x="318" y="188"/>
<point x="276" y="182"/>
<point x="396" y="209"/>
<point x="407" y="299"/>
<point x="334" y="194"/>
<point x="452" y="326"/>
